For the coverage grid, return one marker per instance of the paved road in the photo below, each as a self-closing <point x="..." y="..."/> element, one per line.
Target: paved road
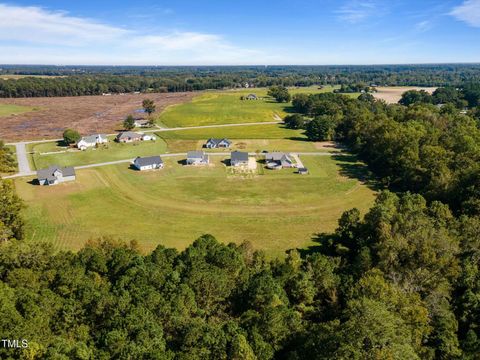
<point x="22" y="159"/>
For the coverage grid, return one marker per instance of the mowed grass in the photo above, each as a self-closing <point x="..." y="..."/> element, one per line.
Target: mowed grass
<point x="8" y="110"/>
<point x="111" y="152"/>
<point x="276" y="211"/>
<point x="225" y="107"/>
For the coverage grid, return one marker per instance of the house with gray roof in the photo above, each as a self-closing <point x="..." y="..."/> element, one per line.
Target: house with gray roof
<point x="142" y="123"/>
<point x="148" y="163"/>
<point x="91" y="141"/>
<point x="239" y="158"/>
<point x="251" y="97"/>
<point x="278" y="160"/>
<point x="217" y="143"/>
<point x="55" y="174"/>
<point x="128" y="136"/>
<point x="197" y="158"/>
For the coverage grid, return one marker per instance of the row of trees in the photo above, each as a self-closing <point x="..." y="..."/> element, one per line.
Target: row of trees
<point x="465" y="96"/>
<point x="95" y="80"/>
<point x="401" y="284"/>
<point x="420" y="148"/>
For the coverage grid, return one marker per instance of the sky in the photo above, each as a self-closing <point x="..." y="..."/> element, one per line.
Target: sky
<point x="229" y="32"/>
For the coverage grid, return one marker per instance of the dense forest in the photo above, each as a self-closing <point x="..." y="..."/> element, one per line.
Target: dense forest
<point x="95" y="80"/>
<point x="401" y="282"/>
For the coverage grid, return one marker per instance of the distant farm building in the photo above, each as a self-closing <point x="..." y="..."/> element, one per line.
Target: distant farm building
<point x="251" y="97"/>
<point x="303" y="171"/>
<point x="148" y="163"/>
<point x="217" y="143"/>
<point x="54" y="175"/>
<point x="197" y="158"/>
<point x="91" y="141"/>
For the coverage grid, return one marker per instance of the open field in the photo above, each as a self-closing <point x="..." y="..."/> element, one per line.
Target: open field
<point x="225" y="107"/>
<point x="16" y="77"/>
<point x="87" y="114"/>
<point x="276" y="210"/>
<point x="393" y="94"/>
<point x="14" y="110"/>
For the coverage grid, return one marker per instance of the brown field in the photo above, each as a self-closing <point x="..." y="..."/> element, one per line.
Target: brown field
<point x="87" y="114"/>
<point x="394" y="93"/>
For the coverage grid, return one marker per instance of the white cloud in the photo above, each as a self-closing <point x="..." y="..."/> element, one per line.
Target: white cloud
<point x="356" y="11"/>
<point x="468" y="12"/>
<point x="37" y="35"/>
<point x="424" y="25"/>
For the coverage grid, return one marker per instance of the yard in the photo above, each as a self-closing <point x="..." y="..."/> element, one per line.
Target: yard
<point x="275" y="210"/>
<point x="110" y="152"/>
<point x="225" y="107"/>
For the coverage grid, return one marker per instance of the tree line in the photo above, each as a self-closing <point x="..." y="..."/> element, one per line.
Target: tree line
<point x="96" y="80"/>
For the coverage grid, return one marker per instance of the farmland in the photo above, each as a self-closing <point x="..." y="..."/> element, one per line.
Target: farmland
<point x="393" y="94"/>
<point x="87" y="114"/>
<point x="14" y="110"/>
<point x="227" y="108"/>
<point x="274" y="210"/>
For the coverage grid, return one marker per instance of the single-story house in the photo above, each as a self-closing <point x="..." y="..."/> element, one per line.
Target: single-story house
<point x="303" y="171"/>
<point x="142" y="123"/>
<point x="148" y="163"/>
<point x="238" y="158"/>
<point x="278" y="160"/>
<point x="55" y="174"/>
<point x="251" y="97"/>
<point x="92" y="140"/>
<point x="128" y="136"/>
<point x="217" y="143"/>
<point x="197" y="158"/>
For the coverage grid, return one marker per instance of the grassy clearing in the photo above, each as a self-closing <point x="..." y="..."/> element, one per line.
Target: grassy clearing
<point x="8" y="110"/>
<point x="113" y="151"/>
<point x="275" y="211"/>
<point x="226" y="108"/>
<point x="268" y="131"/>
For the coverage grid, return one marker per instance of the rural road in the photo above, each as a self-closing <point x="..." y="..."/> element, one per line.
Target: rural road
<point x="30" y="172"/>
<point x="161" y="130"/>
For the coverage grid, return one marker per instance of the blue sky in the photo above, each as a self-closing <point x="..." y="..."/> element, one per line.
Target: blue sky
<point x="211" y="32"/>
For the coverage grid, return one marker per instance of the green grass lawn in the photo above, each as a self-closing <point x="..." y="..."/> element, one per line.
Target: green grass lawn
<point x="7" y="110"/>
<point x="114" y="151"/>
<point x="275" y="210"/>
<point x="225" y="107"/>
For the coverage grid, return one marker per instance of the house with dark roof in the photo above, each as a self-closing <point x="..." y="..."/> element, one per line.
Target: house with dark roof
<point x="128" y="136"/>
<point x="148" y="163"/>
<point x="55" y="174"/>
<point x="217" y="143"/>
<point x="197" y="158"/>
<point x="238" y="158"/>
<point x="91" y="141"/>
<point x="278" y="160"/>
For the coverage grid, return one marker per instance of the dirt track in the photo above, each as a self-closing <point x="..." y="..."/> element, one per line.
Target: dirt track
<point x="87" y="114"/>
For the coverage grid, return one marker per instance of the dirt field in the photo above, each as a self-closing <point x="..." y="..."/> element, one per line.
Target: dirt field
<point x="393" y="94"/>
<point x="87" y="114"/>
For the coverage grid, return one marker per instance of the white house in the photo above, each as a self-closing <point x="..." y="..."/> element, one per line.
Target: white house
<point x="197" y="158"/>
<point x="142" y="123"/>
<point x="278" y="160"/>
<point x="148" y="163"/>
<point x="92" y="140"/>
<point x="55" y="175"/>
